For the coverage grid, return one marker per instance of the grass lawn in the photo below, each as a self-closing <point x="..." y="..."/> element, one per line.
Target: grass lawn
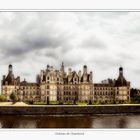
<point x="57" y="103"/>
<point x="39" y="103"/>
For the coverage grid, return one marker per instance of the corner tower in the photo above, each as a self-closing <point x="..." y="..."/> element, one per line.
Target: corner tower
<point x="122" y="87"/>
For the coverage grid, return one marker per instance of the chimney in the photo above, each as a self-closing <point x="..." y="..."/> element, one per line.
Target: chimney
<point x="48" y="67"/>
<point x="18" y="79"/>
<point x="91" y="76"/>
<point x="3" y="77"/>
<point x="70" y="71"/>
<point x="79" y="73"/>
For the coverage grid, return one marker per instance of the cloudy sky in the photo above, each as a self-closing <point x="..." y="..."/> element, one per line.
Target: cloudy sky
<point x="103" y="41"/>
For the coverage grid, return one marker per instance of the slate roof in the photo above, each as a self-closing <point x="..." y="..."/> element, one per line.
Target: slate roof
<point x="121" y="81"/>
<point x="9" y="79"/>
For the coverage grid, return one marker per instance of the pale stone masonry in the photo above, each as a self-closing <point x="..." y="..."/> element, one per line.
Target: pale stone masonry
<point x="57" y="85"/>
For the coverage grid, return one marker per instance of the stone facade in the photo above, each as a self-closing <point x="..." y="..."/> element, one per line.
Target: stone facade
<point x="57" y="85"/>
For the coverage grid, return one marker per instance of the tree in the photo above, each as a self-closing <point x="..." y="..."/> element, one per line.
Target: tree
<point x="13" y="97"/>
<point x="3" y="98"/>
<point x="48" y="102"/>
<point x="133" y="92"/>
<point x="74" y="102"/>
<point x="60" y="103"/>
<point x="90" y="102"/>
<point x="134" y="95"/>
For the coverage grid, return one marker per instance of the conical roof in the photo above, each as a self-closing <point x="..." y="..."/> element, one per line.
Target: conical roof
<point x="9" y="79"/>
<point x="121" y="81"/>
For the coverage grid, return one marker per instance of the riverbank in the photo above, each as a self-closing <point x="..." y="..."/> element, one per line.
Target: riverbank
<point x="69" y="109"/>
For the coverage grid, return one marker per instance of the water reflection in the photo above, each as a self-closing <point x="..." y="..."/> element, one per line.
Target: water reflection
<point x="96" y="121"/>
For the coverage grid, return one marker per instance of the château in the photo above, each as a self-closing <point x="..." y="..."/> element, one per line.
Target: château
<point x="58" y="85"/>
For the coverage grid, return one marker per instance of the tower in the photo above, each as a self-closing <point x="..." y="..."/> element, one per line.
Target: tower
<point x="85" y="69"/>
<point x="121" y="71"/>
<point x="62" y="69"/>
<point x="10" y="69"/>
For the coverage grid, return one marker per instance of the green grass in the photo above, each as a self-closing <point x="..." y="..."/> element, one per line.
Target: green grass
<point x="39" y="103"/>
<point x="53" y="102"/>
<point x="57" y="103"/>
<point x="81" y="103"/>
<point x="72" y="103"/>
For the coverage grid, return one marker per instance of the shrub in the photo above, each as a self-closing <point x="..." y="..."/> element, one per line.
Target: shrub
<point x="60" y="103"/>
<point x="13" y="97"/>
<point x="3" y="98"/>
<point x="90" y="102"/>
<point x="74" y="102"/>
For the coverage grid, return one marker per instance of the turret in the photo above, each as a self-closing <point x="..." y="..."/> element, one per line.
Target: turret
<point x="10" y="69"/>
<point x="62" y="69"/>
<point x="3" y="77"/>
<point x="121" y="71"/>
<point x="48" y="67"/>
<point x="90" y="76"/>
<point x="121" y="80"/>
<point x="3" y="80"/>
<point x="18" y="79"/>
<point x="80" y="75"/>
<point x="62" y="66"/>
<point x="85" y="69"/>
<point x="38" y="79"/>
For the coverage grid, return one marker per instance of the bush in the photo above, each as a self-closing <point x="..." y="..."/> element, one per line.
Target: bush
<point x="96" y="102"/>
<point x="13" y="97"/>
<point x="74" y="102"/>
<point x="3" y="98"/>
<point x="90" y="102"/>
<point x="54" y="102"/>
<point x="31" y="102"/>
<point x="60" y="103"/>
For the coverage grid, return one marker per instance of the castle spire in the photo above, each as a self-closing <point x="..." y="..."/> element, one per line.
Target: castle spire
<point x="10" y="69"/>
<point x="62" y="66"/>
<point x="121" y="71"/>
<point x="62" y="69"/>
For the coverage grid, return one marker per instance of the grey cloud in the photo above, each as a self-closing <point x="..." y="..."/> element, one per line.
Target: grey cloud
<point x="107" y="62"/>
<point x="27" y="44"/>
<point x="76" y="38"/>
<point x="93" y="43"/>
<point x="26" y="74"/>
<point x="125" y="57"/>
<point x="32" y="36"/>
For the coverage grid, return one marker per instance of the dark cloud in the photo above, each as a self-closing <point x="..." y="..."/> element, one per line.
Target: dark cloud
<point x="30" y="40"/>
<point x="26" y="44"/>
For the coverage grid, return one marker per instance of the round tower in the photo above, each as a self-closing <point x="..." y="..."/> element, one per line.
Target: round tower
<point x="85" y="69"/>
<point x="10" y="69"/>
<point x="121" y="71"/>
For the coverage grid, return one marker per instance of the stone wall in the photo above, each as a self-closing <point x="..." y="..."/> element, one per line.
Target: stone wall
<point x="68" y="110"/>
